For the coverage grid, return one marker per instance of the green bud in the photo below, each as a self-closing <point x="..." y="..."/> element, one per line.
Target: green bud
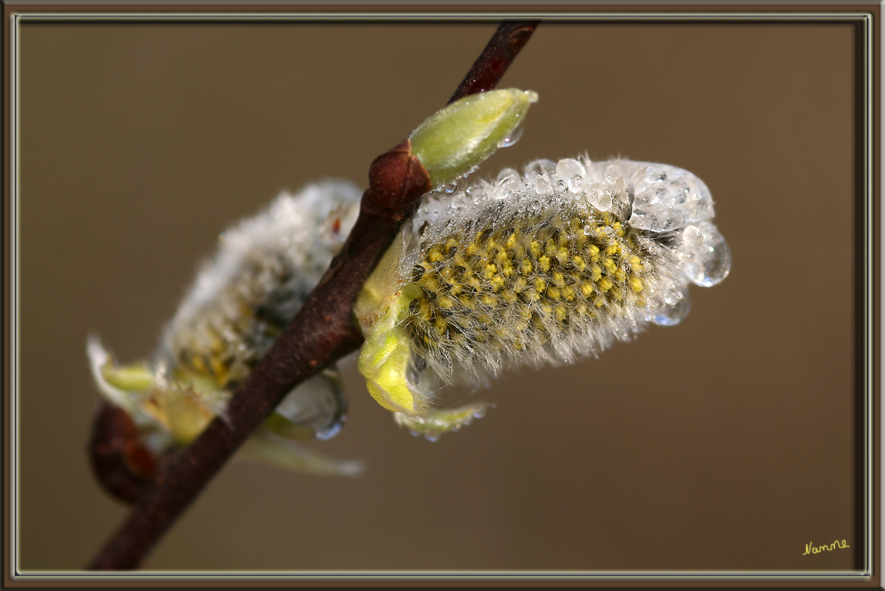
<point x="455" y="140"/>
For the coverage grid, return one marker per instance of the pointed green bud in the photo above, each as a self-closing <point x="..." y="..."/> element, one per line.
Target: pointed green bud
<point x="454" y="141"/>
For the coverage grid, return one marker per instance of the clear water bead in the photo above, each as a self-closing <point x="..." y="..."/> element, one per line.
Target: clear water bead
<point x="567" y="168"/>
<point x="674" y="309"/>
<point x="712" y="262"/>
<point x="599" y="197"/>
<point x="544" y="167"/>
<point x="512" y="137"/>
<point x="542" y="184"/>
<point x="575" y="183"/>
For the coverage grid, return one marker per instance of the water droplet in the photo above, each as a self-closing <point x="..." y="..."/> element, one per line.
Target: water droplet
<point x="712" y="263"/>
<point x="575" y="183"/>
<point x="473" y="194"/>
<point x="692" y="236"/>
<point x="507" y="175"/>
<point x="512" y="137"/>
<point x="535" y="205"/>
<point x="671" y="314"/>
<point x="451" y="188"/>
<point x="568" y="168"/>
<point x="587" y="229"/>
<point x="543" y="167"/>
<point x="542" y="185"/>
<point x="613" y="172"/>
<point x="432" y="436"/>
<point x="599" y="197"/>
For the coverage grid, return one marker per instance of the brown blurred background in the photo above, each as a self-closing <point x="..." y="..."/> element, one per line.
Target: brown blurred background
<point x="722" y="443"/>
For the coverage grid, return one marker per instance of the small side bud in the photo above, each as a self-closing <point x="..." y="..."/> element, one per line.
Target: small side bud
<point x="455" y="140"/>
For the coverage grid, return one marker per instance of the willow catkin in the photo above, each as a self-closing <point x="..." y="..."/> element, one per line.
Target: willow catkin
<point x="541" y="268"/>
<point x="239" y="302"/>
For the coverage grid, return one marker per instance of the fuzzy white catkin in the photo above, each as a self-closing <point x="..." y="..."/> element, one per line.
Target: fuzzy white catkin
<point x="540" y="268"/>
<point x="256" y="282"/>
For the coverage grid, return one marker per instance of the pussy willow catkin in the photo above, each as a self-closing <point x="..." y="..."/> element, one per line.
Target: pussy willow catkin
<point x="240" y="301"/>
<point x="540" y="268"/>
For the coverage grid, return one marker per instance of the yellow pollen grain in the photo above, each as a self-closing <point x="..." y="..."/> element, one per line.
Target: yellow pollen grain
<point x="587" y="289"/>
<point x="553" y="293"/>
<point x="445" y="302"/>
<point x="620" y="275"/>
<point x="497" y="282"/>
<point x="561" y="313"/>
<point x="558" y="279"/>
<point x="562" y="254"/>
<point x="579" y="263"/>
<point x="609" y="265"/>
<point x="440" y="325"/>
<point x="604" y="284"/>
<point x="568" y="292"/>
<point x="635" y="264"/>
<point x="636" y="284"/>
<point x="544" y="263"/>
<point x="535" y="248"/>
<point x="490" y="270"/>
<point x="540" y="284"/>
<point x="472" y="249"/>
<point x="489" y="300"/>
<point x="450" y="244"/>
<point x="526" y="267"/>
<point x="519" y="285"/>
<point x="434" y="255"/>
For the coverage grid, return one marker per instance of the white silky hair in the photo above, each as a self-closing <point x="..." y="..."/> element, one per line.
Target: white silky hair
<point x="297" y="234"/>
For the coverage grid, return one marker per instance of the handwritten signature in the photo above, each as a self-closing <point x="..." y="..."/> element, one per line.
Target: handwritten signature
<point x="809" y="549"/>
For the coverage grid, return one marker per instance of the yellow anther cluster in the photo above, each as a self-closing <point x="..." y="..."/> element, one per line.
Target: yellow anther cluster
<point x="523" y="281"/>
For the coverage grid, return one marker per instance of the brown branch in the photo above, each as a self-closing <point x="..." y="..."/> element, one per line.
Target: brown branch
<point x="321" y="333"/>
<point x="489" y="67"/>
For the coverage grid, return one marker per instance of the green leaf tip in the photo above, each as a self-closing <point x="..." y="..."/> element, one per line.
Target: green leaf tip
<point x="455" y="140"/>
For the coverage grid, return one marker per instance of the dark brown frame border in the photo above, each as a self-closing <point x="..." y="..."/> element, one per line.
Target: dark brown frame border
<point x="865" y="18"/>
